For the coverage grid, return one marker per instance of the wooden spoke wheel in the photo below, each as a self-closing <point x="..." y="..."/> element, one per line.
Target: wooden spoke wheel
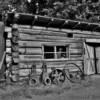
<point x="57" y="76"/>
<point x="74" y="75"/>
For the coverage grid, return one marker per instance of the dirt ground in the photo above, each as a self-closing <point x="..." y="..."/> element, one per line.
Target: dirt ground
<point x="88" y="89"/>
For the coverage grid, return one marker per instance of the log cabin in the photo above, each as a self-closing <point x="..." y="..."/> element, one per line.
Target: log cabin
<point x="59" y="43"/>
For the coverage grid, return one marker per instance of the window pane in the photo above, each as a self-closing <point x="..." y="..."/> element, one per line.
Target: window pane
<point x="48" y="55"/>
<point x="62" y="51"/>
<point x="48" y="49"/>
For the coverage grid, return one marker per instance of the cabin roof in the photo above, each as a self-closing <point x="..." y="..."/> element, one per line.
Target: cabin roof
<point x="44" y="21"/>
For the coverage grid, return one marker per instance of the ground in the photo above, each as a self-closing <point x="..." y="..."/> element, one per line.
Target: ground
<point x="86" y="90"/>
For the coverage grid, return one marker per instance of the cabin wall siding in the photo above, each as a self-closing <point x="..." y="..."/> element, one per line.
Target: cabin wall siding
<point x="28" y="50"/>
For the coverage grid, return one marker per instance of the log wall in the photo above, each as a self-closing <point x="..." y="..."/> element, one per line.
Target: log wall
<point x="24" y="47"/>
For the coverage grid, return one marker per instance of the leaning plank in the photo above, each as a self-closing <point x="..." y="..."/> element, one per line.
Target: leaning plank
<point x="2" y="60"/>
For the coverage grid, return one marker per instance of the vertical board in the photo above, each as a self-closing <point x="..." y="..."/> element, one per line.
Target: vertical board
<point x="98" y="59"/>
<point x="2" y="44"/>
<point x="89" y="66"/>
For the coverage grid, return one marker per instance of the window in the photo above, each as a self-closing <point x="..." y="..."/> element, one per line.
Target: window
<point x="55" y="52"/>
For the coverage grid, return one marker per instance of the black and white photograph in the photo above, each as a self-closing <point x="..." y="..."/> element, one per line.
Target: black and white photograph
<point x="49" y="49"/>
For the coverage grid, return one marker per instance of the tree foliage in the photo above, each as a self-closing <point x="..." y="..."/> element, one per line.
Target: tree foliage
<point x="87" y="10"/>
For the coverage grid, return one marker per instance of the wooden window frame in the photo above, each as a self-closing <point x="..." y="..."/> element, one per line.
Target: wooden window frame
<point x="55" y="52"/>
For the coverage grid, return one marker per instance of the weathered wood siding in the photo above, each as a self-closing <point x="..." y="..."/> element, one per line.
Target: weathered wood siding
<point x="32" y="40"/>
<point x="25" y="48"/>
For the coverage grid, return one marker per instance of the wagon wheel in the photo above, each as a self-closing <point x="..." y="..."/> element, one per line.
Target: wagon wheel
<point x="74" y="76"/>
<point x="57" y="76"/>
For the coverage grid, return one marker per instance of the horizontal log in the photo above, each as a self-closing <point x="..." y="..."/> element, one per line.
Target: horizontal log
<point x="48" y="63"/>
<point x="86" y="36"/>
<point x="38" y="44"/>
<point x="76" y="51"/>
<point x="27" y="58"/>
<point x="76" y="56"/>
<point x="68" y="40"/>
<point x="76" y="45"/>
<point x="30" y="56"/>
<point x="15" y="67"/>
<point x="24" y="72"/>
<point x="33" y="37"/>
<point x="15" y="54"/>
<point x="29" y="44"/>
<point x="59" y="30"/>
<point x="35" y="51"/>
<point x="8" y="43"/>
<point x="23" y="65"/>
<point x="43" y="32"/>
<point x="24" y="27"/>
<point x="17" y="60"/>
<point x="15" y="72"/>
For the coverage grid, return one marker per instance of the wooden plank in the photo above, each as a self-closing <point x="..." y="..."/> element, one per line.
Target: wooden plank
<point x="29" y="56"/>
<point x="93" y="40"/>
<point x="76" y="45"/>
<point x="35" y="51"/>
<point x="29" y="44"/>
<point x="51" y="64"/>
<point x="15" y="54"/>
<point x="76" y="51"/>
<point x="15" y="67"/>
<point x="42" y="32"/>
<point x="68" y="40"/>
<point x="24" y="72"/>
<point x="47" y="60"/>
<point x="38" y="44"/>
<point x="33" y="37"/>
<point x="76" y="56"/>
<point x="86" y="36"/>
